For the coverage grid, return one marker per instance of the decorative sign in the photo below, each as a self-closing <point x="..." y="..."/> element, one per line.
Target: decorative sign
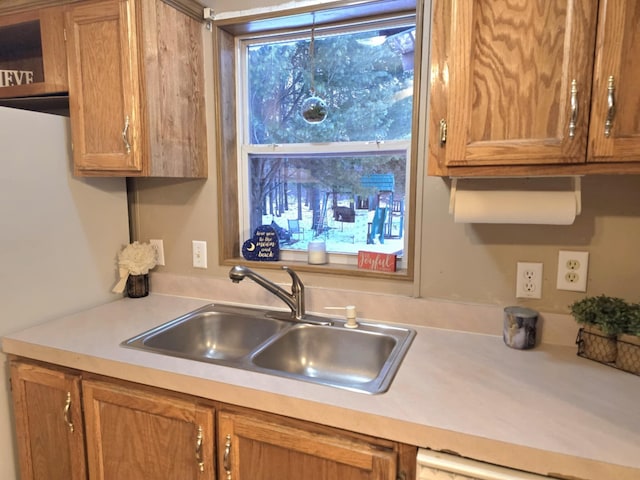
<point x="264" y="246"/>
<point x="381" y="262"/>
<point x="10" y="78"/>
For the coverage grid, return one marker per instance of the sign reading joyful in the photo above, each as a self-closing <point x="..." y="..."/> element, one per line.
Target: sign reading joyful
<point x="10" y="78"/>
<point x="382" y="262"/>
<point x="264" y="246"/>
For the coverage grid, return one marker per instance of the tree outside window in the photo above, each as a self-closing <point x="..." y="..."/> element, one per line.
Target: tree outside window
<point x="344" y="179"/>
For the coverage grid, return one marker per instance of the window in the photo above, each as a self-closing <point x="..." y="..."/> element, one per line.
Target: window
<point x="343" y="175"/>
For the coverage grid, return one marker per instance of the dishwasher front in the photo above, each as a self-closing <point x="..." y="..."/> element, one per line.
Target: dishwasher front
<point x="443" y="466"/>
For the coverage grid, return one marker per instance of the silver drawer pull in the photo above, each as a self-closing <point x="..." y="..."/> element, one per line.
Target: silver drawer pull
<point x="199" y="437"/>
<point x="574" y="108"/>
<point x="66" y="414"/>
<point x="226" y="460"/>
<point x="125" y="132"/>
<point x="611" y="106"/>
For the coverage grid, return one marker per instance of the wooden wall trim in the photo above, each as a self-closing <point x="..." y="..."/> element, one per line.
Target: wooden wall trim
<point x="188" y="7"/>
<point x="14" y="6"/>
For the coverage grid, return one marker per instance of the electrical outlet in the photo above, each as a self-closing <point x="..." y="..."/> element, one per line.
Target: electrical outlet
<point x="158" y="245"/>
<point x="199" y="254"/>
<point x="572" y="271"/>
<point x="529" y="280"/>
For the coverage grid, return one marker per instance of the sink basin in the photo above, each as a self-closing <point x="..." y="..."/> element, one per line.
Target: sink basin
<point x="363" y="359"/>
<point x="219" y="333"/>
<point x="328" y="354"/>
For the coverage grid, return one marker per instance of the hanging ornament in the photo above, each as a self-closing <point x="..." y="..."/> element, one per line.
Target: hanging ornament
<point x="314" y="108"/>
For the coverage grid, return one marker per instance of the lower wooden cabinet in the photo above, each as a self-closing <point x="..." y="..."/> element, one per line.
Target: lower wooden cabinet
<point x="49" y="425"/>
<point x="134" y="432"/>
<point x="265" y="447"/>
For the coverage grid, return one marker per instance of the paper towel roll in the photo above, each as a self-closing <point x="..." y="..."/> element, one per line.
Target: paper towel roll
<point x="523" y="207"/>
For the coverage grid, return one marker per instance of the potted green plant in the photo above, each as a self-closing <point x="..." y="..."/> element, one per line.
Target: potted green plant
<point x="628" y="357"/>
<point x="602" y="319"/>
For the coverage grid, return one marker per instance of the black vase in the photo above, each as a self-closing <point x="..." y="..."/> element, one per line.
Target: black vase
<point x="138" y="286"/>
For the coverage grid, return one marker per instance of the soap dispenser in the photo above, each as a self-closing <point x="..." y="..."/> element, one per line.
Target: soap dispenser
<point x="350" y="315"/>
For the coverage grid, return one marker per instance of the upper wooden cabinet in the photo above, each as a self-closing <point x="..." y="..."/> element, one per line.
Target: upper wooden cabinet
<point x="136" y="89"/>
<point x="614" y="133"/>
<point x="49" y="423"/>
<point x="32" y="53"/>
<point x="511" y="87"/>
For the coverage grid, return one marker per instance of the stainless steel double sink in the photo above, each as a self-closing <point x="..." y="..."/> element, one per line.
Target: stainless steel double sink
<point x="364" y="359"/>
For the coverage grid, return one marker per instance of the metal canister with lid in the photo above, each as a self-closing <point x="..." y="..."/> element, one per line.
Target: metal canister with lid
<point x="520" y="327"/>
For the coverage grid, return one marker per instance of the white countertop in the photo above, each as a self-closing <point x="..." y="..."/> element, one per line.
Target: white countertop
<point x="544" y="410"/>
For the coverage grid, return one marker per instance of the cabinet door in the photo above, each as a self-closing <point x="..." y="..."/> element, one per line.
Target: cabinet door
<point x="253" y="448"/>
<point x="134" y="434"/>
<point x="32" y="53"/>
<point x="48" y="423"/>
<point x="502" y="76"/>
<point x="615" y="120"/>
<point x="104" y="97"/>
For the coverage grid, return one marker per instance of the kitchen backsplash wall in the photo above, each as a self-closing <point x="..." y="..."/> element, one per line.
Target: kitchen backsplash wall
<point x="553" y="328"/>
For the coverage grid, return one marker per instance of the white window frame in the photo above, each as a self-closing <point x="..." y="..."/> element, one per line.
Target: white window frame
<point x="347" y="148"/>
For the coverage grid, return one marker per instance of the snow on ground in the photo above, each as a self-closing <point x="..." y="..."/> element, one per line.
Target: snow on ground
<point x="340" y="237"/>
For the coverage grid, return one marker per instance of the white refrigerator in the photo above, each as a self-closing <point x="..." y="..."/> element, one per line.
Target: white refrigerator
<point x="59" y="238"/>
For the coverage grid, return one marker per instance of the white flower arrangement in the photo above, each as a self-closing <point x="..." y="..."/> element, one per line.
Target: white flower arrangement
<point x="135" y="259"/>
<point x="138" y="258"/>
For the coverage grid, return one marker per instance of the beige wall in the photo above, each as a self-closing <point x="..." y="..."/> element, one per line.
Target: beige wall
<point x="58" y="241"/>
<point x="465" y="263"/>
<point x="477" y="262"/>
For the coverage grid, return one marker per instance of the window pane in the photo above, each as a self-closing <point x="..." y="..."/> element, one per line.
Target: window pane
<point x="364" y="77"/>
<point x="353" y="202"/>
<point x="343" y="179"/>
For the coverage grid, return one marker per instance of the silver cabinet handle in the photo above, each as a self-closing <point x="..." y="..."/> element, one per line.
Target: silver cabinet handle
<point x="574" y="109"/>
<point x="443" y="132"/>
<point x="199" y="438"/>
<point x="125" y="132"/>
<point x="611" y="106"/>
<point x="66" y="414"/>
<point x="226" y="460"/>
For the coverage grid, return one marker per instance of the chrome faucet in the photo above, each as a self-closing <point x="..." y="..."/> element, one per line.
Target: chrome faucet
<point x="295" y="299"/>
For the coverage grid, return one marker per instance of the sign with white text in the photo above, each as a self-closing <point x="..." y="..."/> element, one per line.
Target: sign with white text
<point x="11" y="78"/>
<point x="381" y="262"/>
<point x="264" y="246"/>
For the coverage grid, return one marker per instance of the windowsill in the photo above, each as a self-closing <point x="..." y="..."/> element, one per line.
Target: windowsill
<point x="329" y="269"/>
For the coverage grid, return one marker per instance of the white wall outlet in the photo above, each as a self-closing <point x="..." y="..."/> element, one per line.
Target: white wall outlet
<point x="199" y="254"/>
<point x="529" y="280"/>
<point x="572" y="271"/>
<point x="159" y="246"/>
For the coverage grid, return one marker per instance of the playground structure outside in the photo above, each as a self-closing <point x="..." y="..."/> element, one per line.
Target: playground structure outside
<point x="346" y="237"/>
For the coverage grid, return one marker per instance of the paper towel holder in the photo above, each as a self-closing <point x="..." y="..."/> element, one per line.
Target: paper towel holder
<point x="575" y="180"/>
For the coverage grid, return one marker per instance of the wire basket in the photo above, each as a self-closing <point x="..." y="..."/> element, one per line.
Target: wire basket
<point x="611" y="351"/>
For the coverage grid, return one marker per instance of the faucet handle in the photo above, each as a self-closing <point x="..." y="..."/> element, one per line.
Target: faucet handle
<point x="297" y="292"/>
<point x="296" y="284"/>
